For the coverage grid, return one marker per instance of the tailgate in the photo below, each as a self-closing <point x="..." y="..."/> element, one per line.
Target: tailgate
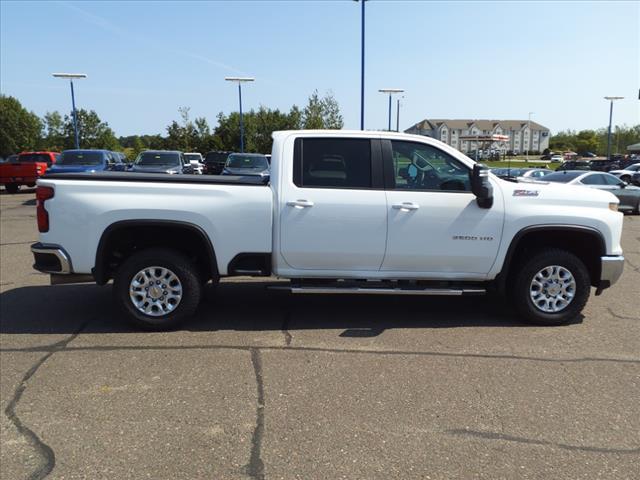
<point x="17" y="171"/>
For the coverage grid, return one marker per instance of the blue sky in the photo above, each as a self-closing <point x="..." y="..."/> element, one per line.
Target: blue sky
<point x="454" y="59"/>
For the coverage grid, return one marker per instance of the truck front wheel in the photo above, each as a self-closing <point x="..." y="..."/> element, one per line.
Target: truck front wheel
<point x="12" y="187"/>
<point x="157" y="288"/>
<point x="551" y="288"/>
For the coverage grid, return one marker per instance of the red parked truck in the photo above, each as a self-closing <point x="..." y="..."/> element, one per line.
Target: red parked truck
<point x="26" y="169"/>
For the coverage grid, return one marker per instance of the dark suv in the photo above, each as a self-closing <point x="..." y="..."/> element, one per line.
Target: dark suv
<point x="214" y="162"/>
<point x="604" y="165"/>
<point x="574" y="165"/>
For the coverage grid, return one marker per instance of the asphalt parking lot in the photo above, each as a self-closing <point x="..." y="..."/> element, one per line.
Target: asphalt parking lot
<point x="265" y="385"/>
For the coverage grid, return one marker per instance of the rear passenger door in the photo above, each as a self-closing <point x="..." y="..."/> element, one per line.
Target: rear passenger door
<point x="333" y="212"/>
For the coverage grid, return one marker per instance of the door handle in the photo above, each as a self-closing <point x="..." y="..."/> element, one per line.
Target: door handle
<point x="406" y="206"/>
<point x="300" y="203"/>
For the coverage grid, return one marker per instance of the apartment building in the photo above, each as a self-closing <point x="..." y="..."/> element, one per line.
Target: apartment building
<point x="523" y="135"/>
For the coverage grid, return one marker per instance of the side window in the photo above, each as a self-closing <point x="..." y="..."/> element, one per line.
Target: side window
<point x="332" y="163"/>
<point x="418" y="166"/>
<point x="110" y="159"/>
<point x="596" y="179"/>
<point x="612" y="180"/>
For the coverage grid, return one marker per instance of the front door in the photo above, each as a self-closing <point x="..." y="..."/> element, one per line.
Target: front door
<point x="333" y="213"/>
<point x="435" y="225"/>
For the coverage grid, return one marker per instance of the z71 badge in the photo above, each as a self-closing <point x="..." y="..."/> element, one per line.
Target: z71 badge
<point x="525" y="193"/>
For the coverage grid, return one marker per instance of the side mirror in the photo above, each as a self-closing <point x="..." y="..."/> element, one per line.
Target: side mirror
<point x="623" y="184"/>
<point x="481" y="186"/>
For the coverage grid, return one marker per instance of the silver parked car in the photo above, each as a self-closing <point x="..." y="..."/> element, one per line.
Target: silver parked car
<point x="628" y="195"/>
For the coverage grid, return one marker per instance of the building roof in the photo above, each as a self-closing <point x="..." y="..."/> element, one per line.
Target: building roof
<point x="463" y="124"/>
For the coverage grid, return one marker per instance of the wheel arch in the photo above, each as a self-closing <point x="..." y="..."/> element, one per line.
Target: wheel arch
<point x="577" y="239"/>
<point x="122" y="238"/>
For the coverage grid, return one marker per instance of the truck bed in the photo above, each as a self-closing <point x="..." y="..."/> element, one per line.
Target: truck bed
<point x="237" y="219"/>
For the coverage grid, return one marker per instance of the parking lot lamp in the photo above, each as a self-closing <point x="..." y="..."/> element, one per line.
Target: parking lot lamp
<point x="611" y="99"/>
<point x="390" y="91"/>
<point x="398" y="114"/>
<point x="240" y="80"/>
<point x="361" y="63"/>
<point x="526" y="153"/>
<point x="71" y="77"/>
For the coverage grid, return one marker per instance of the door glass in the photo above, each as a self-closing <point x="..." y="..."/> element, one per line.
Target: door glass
<point x="612" y="180"/>
<point x="596" y="179"/>
<point x="332" y="163"/>
<point x="423" y="167"/>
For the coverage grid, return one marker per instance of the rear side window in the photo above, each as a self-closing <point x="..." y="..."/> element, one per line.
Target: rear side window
<point x="332" y="163"/>
<point x="34" y="157"/>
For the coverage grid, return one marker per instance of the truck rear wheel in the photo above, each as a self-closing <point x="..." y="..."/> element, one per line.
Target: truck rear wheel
<point x="12" y="187"/>
<point x="157" y="288"/>
<point x="551" y="288"/>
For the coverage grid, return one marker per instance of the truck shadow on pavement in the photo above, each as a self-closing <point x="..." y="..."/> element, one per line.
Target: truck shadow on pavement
<point x="250" y="306"/>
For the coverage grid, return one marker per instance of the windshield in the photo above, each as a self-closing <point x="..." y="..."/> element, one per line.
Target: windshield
<point x="216" y="157"/>
<point x="562" y="177"/>
<point x="193" y="157"/>
<point x="247" y="161"/>
<point x="158" y="158"/>
<point x="34" y="157"/>
<point x="81" y="158"/>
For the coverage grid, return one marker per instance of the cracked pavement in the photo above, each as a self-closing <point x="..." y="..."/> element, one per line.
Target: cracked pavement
<point x="263" y="385"/>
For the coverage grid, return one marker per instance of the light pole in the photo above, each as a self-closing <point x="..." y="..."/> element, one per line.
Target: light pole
<point x="390" y="91"/>
<point x="526" y="153"/>
<point x="362" y="64"/>
<point x="611" y="99"/>
<point x="71" y="77"/>
<point x="240" y="80"/>
<point x="398" y="114"/>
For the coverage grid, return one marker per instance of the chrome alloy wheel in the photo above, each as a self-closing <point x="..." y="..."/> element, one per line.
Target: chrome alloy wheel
<point x="155" y="291"/>
<point x="552" y="289"/>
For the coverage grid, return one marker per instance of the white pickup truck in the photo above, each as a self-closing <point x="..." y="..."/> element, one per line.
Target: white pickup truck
<point x="352" y="212"/>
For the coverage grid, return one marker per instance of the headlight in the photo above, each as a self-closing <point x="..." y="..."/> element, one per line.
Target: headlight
<point x="613" y="206"/>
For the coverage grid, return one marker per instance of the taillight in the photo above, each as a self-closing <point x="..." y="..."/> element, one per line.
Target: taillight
<point x="43" y="194"/>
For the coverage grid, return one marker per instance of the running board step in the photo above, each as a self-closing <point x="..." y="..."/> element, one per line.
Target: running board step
<point x="382" y="291"/>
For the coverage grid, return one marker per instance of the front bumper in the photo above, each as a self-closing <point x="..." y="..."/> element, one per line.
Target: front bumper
<point x="610" y="271"/>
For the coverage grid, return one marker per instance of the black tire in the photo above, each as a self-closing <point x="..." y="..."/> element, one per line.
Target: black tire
<point x="12" y="187"/>
<point x="521" y="292"/>
<point x="176" y="263"/>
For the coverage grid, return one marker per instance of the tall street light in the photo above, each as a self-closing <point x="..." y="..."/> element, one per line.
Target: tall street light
<point x="526" y="155"/>
<point x="611" y="99"/>
<point x="390" y="91"/>
<point x="71" y="77"/>
<point x="362" y="64"/>
<point x="398" y="114"/>
<point x="240" y="80"/>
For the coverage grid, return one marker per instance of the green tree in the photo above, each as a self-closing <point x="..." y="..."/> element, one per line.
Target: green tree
<point x="20" y="129"/>
<point x="322" y="113"/>
<point x="54" y="138"/>
<point x="92" y="132"/>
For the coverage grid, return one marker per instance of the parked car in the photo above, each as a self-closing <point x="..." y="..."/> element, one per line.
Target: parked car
<point x="556" y="158"/>
<point x="588" y="155"/>
<point x="348" y="212"/>
<point x="604" y="165"/>
<point x="515" y="173"/>
<point x="254" y="164"/>
<point x="122" y="157"/>
<point x="196" y="161"/>
<point x="574" y="165"/>
<point x="161" y="161"/>
<point x="626" y="175"/>
<point x="87" y="161"/>
<point x="214" y="162"/>
<point x="628" y="195"/>
<point x="25" y="169"/>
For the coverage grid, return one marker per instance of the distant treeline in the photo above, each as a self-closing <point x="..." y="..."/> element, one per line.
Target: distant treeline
<point x="21" y="130"/>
